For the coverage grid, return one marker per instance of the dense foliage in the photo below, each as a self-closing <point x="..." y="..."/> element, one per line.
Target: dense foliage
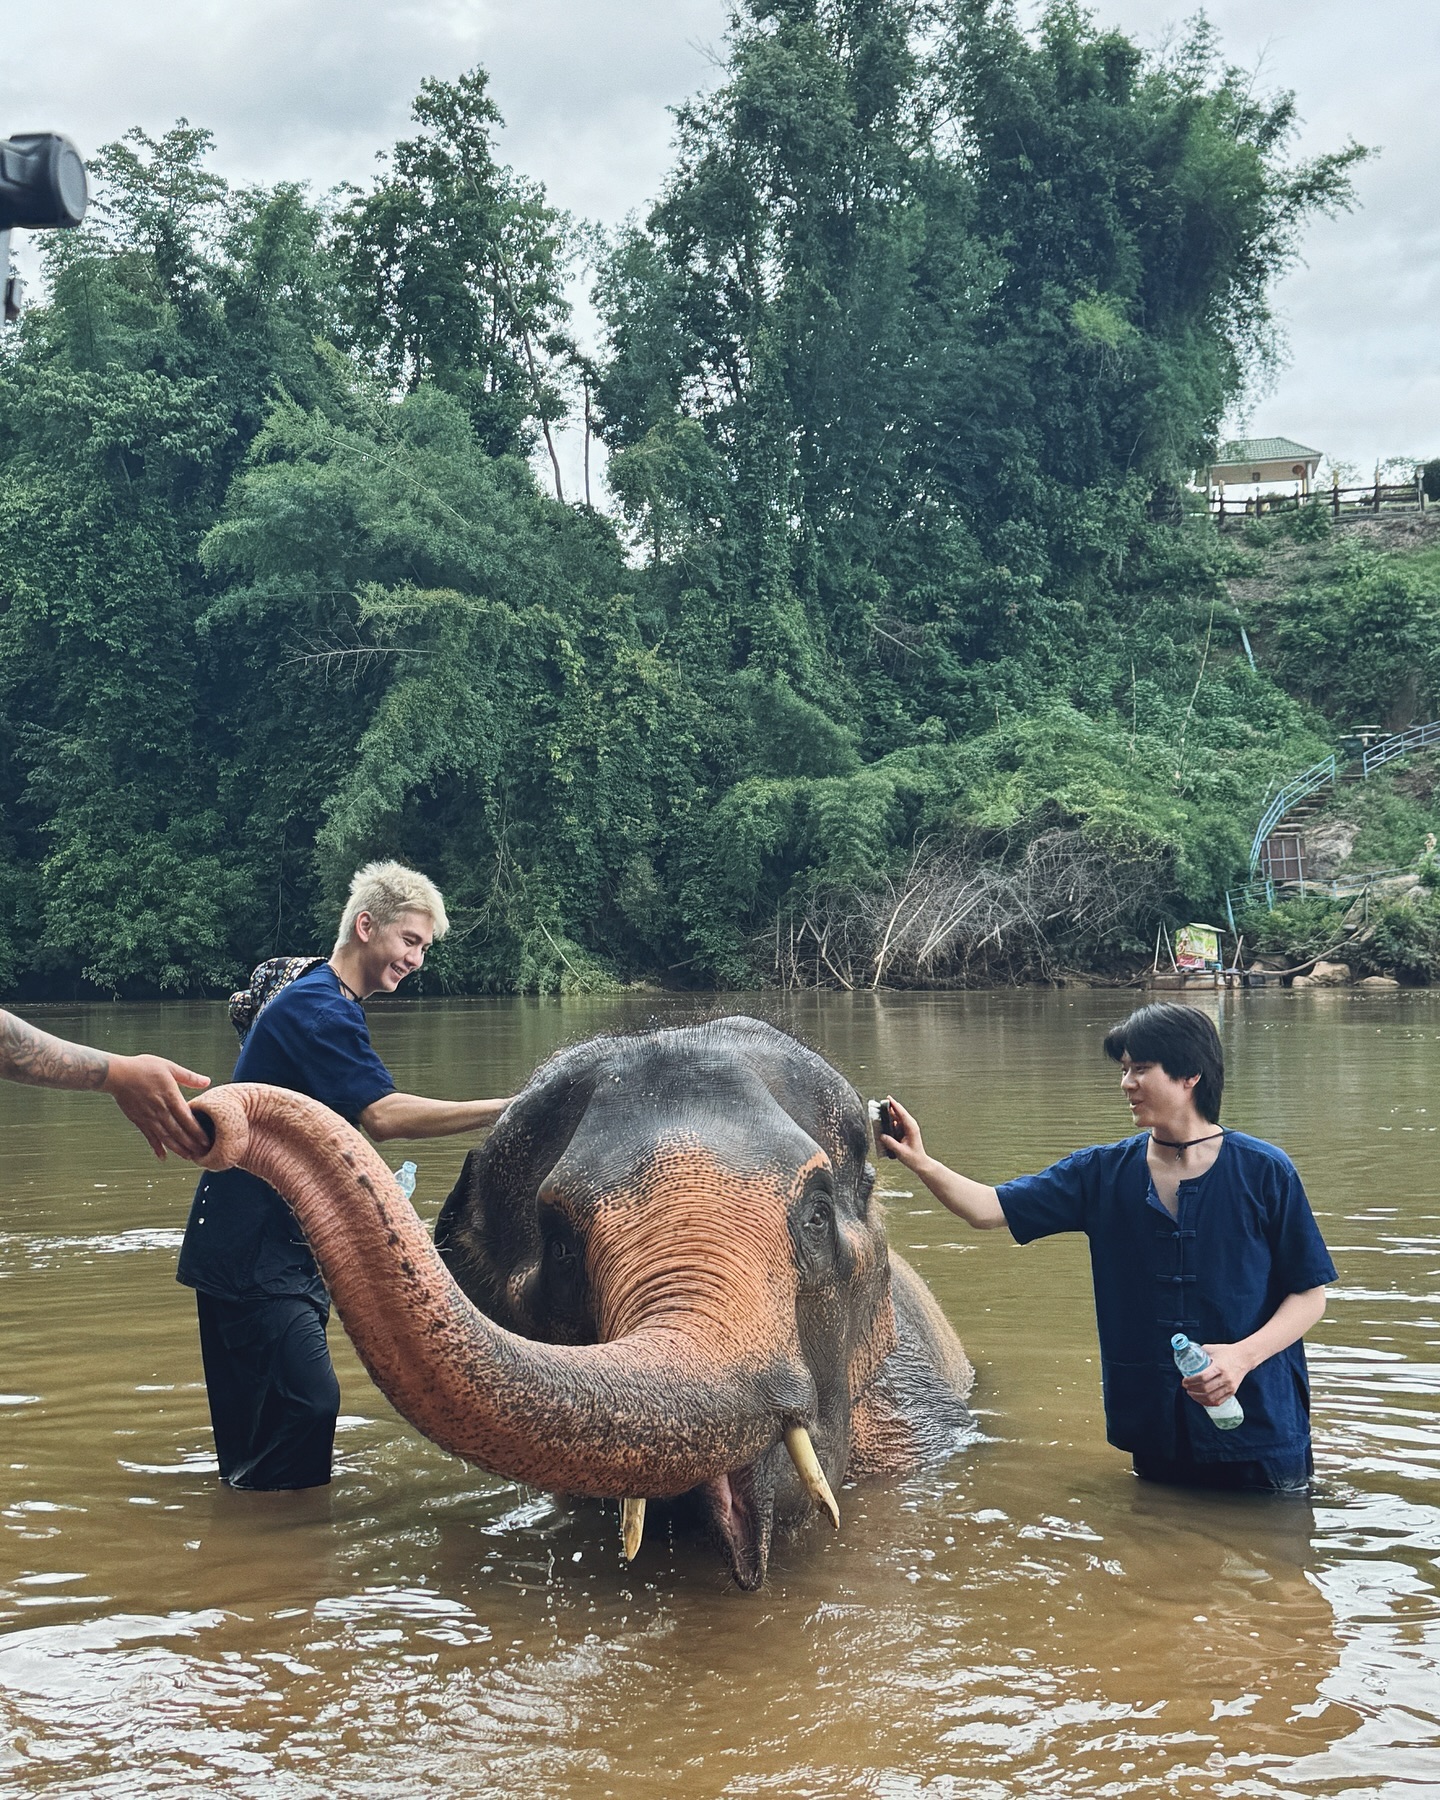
<point x="1352" y="627"/>
<point x="901" y="379"/>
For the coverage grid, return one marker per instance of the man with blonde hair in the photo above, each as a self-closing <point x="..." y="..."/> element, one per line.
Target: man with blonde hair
<point x="384" y="890"/>
<point x="261" y="1302"/>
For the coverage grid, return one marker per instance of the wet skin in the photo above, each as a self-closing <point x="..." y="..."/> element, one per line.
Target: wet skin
<point x="664" y="1276"/>
<point x="711" y="1187"/>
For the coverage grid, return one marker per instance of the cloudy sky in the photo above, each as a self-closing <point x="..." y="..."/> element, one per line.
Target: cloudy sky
<point x="312" y="88"/>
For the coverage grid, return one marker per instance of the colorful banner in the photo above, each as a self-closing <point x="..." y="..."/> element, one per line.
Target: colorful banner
<point x="1197" y="947"/>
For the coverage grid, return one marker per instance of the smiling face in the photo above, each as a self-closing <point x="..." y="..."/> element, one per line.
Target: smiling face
<point x="388" y="953"/>
<point x="1159" y="1102"/>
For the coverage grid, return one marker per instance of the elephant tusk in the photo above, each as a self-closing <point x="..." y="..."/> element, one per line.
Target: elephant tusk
<point x="802" y="1454"/>
<point x="632" y="1526"/>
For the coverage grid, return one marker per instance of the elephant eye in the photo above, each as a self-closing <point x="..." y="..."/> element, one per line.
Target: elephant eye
<point x="819" y="1215"/>
<point x="559" y="1250"/>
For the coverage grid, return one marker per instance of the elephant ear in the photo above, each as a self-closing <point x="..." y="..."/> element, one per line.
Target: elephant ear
<point x="488" y="1232"/>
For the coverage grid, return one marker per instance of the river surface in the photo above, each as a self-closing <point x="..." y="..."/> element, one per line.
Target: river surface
<point x="1026" y="1619"/>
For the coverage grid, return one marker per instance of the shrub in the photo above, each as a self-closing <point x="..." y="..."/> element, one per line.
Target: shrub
<point x="1362" y="640"/>
<point x="1296" y="929"/>
<point x="1309" y="524"/>
<point x="1404" y="940"/>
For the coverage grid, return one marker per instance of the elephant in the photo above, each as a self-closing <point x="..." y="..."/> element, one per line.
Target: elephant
<point x="664" y="1274"/>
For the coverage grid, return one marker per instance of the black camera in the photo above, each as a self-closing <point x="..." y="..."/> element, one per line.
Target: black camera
<point x="42" y="187"/>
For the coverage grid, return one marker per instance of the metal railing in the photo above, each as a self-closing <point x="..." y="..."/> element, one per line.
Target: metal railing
<point x="1389" y="748"/>
<point x="1319" y="775"/>
<point x="1252" y="894"/>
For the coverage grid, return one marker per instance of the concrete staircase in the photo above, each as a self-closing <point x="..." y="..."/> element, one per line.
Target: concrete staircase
<point x="1308" y="794"/>
<point x="1304" y="809"/>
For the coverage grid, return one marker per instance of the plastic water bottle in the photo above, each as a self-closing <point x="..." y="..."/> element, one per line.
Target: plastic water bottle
<point x="405" y="1179"/>
<point x="1190" y="1359"/>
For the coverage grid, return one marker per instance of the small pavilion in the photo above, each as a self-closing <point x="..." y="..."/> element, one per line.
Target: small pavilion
<point x="1257" y="463"/>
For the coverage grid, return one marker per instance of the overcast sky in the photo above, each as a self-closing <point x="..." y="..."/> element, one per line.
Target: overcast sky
<point x="311" y="89"/>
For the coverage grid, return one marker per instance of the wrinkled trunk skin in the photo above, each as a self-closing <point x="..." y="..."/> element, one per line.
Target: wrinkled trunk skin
<point x="647" y="1414"/>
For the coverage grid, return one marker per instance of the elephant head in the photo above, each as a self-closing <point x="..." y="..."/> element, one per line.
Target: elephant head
<point x="675" y="1281"/>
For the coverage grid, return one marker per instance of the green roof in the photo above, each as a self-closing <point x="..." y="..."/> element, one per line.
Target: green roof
<point x="1253" y="450"/>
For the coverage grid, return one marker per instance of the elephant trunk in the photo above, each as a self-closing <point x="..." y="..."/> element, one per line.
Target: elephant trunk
<point x="653" y="1412"/>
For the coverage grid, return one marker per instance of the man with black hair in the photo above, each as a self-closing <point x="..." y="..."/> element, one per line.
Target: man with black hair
<point x="1192" y="1229"/>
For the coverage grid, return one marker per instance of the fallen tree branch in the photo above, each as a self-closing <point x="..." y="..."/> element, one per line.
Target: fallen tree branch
<point x="981" y="905"/>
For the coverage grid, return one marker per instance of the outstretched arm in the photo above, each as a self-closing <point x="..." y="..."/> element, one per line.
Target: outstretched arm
<point x="30" y="1055"/>
<point x="145" y="1088"/>
<point x="1231" y="1363"/>
<point x="971" y="1201"/>
<point x="411" y="1116"/>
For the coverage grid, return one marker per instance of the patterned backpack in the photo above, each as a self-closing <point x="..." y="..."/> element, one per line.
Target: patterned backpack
<point x="266" y="981"/>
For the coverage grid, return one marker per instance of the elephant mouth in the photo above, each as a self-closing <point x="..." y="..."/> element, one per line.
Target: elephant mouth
<point x="742" y="1519"/>
<point x="740" y="1506"/>
<point x="740" y="1510"/>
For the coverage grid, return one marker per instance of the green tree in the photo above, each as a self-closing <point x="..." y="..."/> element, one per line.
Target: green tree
<point x="124" y="406"/>
<point x="901" y="371"/>
<point x="455" y="272"/>
<point x="928" y="311"/>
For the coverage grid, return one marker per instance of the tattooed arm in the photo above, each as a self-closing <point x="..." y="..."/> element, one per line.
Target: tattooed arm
<point x="146" y="1088"/>
<point x="33" y="1056"/>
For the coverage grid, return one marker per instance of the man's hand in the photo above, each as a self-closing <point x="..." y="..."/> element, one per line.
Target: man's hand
<point x="146" y="1088"/>
<point x="1229" y="1365"/>
<point x="909" y="1149"/>
<point x="969" y="1200"/>
<point x="147" y="1091"/>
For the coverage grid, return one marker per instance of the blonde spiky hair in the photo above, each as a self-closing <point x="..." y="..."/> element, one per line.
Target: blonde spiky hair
<point x="387" y="889"/>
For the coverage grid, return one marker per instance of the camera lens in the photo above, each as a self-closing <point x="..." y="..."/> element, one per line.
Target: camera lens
<point x="42" y="181"/>
<point x="69" y="183"/>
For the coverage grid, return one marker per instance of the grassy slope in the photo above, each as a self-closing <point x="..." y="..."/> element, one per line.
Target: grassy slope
<point x="1350" y="622"/>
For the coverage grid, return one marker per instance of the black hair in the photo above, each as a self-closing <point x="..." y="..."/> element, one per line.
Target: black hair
<point x="1183" y="1041"/>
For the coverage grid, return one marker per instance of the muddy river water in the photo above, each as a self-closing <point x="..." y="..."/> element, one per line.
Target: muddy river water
<point x="1025" y="1620"/>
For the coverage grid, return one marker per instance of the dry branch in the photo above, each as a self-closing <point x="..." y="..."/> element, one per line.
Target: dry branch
<point x="976" y="908"/>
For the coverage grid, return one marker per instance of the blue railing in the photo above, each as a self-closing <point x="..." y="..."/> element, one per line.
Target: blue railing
<point x="1388" y="748"/>
<point x="1253" y="893"/>
<point x="1319" y="775"/>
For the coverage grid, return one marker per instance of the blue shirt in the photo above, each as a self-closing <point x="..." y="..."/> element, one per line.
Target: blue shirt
<point x="242" y="1240"/>
<point x="1242" y="1240"/>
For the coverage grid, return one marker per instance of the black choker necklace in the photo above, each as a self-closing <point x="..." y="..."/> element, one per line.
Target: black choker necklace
<point x="1188" y="1144"/>
<point x="345" y="984"/>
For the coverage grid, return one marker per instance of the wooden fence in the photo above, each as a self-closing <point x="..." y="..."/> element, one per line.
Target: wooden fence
<point x="1376" y="497"/>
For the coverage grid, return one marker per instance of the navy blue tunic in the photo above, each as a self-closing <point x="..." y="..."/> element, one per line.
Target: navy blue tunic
<point x="1243" y="1239"/>
<point x="242" y="1240"/>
